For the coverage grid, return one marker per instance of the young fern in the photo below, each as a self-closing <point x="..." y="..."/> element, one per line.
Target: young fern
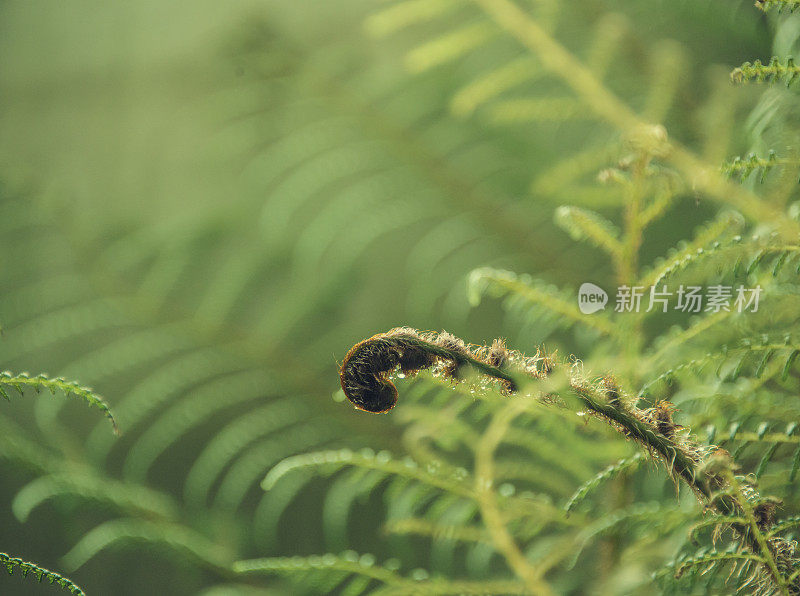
<point x="40" y="573"/>
<point x="708" y="471"/>
<point x="20" y="381"/>
<point x="773" y="72"/>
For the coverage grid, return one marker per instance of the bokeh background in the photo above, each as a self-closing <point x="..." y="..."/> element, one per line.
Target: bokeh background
<point x="203" y="205"/>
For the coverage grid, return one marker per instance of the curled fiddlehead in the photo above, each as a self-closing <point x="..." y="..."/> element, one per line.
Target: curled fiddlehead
<point x="367" y="367"/>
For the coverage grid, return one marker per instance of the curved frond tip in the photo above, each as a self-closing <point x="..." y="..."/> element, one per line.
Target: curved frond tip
<point x="19" y="381"/>
<point x="40" y="573"/>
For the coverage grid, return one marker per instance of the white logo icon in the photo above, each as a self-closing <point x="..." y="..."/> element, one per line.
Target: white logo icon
<point x="591" y="298"/>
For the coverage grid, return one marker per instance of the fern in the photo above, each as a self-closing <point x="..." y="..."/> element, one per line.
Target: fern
<point x="317" y="175"/>
<point x="21" y="380"/>
<point x="774" y="71"/>
<point x="766" y="5"/>
<point x="40" y="573"/>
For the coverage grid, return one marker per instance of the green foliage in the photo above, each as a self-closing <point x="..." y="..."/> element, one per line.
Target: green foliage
<point x="40" y="573"/>
<point x="21" y="380"/>
<point x="772" y="72"/>
<point x="780" y="5"/>
<point x="200" y="228"/>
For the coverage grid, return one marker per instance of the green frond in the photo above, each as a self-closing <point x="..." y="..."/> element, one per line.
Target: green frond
<point x="717" y="522"/>
<point x="609" y="35"/>
<point x="709" y="560"/>
<point x="784" y="524"/>
<point x="18" y="447"/>
<point x="20" y="381"/>
<point x="545" y="109"/>
<point x="322" y="567"/>
<point x="175" y="538"/>
<point x="707" y="239"/>
<point x="40" y="573"/>
<point x="449" y="47"/>
<point x="742" y="167"/>
<point x="582" y="224"/>
<point x="621" y="467"/>
<point x="347" y="563"/>
<point x="239" y="590"/>
<point x="669" y="66"/>
<point x="344" y="497"/>
<point x="159" y="386"/>
<point x="406" y="13"/>
<point x="246" y="471"/>
<point x="453" y="481"/>
<point x="268" y="514"/>
<point x="229" y="442"/>
<point x="492" y="84"/>
<point x="125" y="497"/>
<point x="780" y="5"/>
<point x="656" y="517"/>
<point x="423" y="527"/>
<point x="533" y="295"/>
<point x="773" y="72"/>
<point x="199" y="406"/>
<point x="311" y="177"/>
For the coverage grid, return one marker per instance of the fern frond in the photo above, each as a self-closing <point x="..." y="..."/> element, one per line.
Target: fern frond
<point x="669" y="64"/>
<point x="709" y="560"/>
<point x="582" y="224"/>
<point x="707" y="238"/>
<point x="423" y="527"/>
<point x="248" y="469"/>
<point x="492" y="84"/>
<point x="347" y="563"/>
<point x="612" y="471"/>
<point x="498" y="283"/>
<point x="404" y="14"/>
<point x="453" y="481"/>
<point x="656" y="517"/>
<point x="364" y="565"/>
<point x="781" y="5"/>
<point x="229" y="442"/>
<point x="545" y="109"/>
<point x="200" y="405"/>
<point x="125" y="497"/>
<point x="448" y="47"/>
<point x="784" y="524"/>
<point x="69" y="388"/>
<point x="717" y="522"/>
<point x="159" y="386"/>
<point x="561" y="180"/>
<point x="773" y="72"/>
<point x="40" y="573"/>
<point x="743" y="167"/>
<point x="175" y="537"/>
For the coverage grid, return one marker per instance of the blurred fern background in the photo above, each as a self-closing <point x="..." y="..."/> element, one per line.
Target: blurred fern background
<point x="202" y="207"/>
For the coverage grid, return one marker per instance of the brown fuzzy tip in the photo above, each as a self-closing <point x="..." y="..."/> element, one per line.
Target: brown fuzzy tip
<point x="764" y="513"/>
<point x="661" y="417"/>
<point x="498" y="354"/>
<point x="611" y="390"/>
<point x="450" y="342"/>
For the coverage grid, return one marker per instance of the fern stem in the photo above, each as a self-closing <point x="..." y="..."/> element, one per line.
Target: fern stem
<point x="758" y="543"/>
<point x="487" y="500"/>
